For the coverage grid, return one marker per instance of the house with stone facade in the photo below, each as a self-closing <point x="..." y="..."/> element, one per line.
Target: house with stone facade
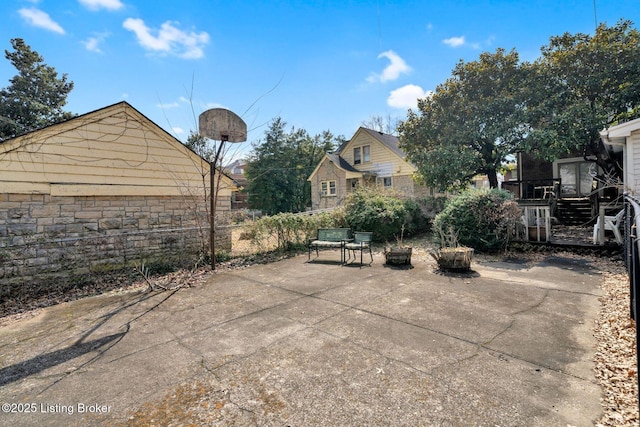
<point x="369" y="158"/>
<point x="101" y="191"/>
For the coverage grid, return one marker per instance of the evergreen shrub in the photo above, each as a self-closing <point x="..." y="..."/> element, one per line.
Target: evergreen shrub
<point x="386" y="213"/>
<point x="485" y="220"/>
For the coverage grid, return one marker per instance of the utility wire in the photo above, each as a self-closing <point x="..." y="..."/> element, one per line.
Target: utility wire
<point x="380" y="27"/>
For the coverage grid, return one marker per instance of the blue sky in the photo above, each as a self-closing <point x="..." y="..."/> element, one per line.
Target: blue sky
<point x="320" y="65"/>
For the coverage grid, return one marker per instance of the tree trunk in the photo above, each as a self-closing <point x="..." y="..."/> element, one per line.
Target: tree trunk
<point x="493" y="178"/>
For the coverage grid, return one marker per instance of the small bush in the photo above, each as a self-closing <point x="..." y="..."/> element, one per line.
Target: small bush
<point x="385" y="213"/>
<point x="482" y="219"/>
<point x="291" y="231"/>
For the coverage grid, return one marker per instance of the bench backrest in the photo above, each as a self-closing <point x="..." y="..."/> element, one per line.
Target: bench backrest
<point x="333" y="234"/>
<point x="362" y="237"/>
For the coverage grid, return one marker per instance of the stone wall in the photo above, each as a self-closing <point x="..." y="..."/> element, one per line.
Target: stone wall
<point x="43" y="236"/>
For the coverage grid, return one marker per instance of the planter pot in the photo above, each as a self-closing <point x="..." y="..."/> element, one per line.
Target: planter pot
<point x="454" y="259"/>
<point x="398" y="256"/>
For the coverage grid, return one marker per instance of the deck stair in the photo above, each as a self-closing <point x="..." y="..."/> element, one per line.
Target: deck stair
<point x="574" y="211"/>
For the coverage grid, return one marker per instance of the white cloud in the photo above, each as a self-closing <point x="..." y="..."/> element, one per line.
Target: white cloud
<point x="396" y="67"/>
<point x="38" y="18"/>
<point x="102" y="4"/>
<point x="169" y="105"/>
<point x="92" y="44"/>
<point x="177" y="130"/>
<point x="168" y="39"/>
<point x="406" y="96"/>
<point x="454" y="41"/>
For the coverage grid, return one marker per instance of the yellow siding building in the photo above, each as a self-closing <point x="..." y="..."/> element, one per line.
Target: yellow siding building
<point x="101" y="190"/>
<point x="368" y="158"/>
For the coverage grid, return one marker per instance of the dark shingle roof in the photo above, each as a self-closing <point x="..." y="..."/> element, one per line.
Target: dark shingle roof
<point x="390" y="141"/>
<point x="342" y="163"/>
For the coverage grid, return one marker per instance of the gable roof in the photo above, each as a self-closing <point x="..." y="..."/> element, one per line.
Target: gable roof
<point x="391" y="142"/>
<point x="115" y="150"/>
<point x="81" y="119"/>
<point x="340" y="163"/>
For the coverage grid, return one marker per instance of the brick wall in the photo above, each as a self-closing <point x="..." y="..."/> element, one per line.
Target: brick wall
<point x="43" y="236"/>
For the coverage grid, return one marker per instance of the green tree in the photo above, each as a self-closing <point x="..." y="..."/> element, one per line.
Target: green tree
<point x="471" y="124"/>
<point x="36" y="95"/>
<point x="199" y="144"/>
<point x="581" y="85"/>
<point x="278" y="168"/>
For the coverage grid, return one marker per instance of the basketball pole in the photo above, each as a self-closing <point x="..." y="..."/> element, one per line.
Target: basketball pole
<point x="213" y="202"/>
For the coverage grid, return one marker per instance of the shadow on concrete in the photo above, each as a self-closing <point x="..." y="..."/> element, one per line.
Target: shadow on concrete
<point x="324" y="261"/>
<point x="398" y="266"/>
<point x="466" y="274"/>
<point x="45" y="361"/>
<point x="80" y="347"/>
<point x="582" y="266"/>
<point x="508" y="263"/>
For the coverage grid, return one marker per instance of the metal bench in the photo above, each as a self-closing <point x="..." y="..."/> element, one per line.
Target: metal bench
<point x="330" y="238"/>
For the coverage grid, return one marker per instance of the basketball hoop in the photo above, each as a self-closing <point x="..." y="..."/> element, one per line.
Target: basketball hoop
<point x="219" y="124"/>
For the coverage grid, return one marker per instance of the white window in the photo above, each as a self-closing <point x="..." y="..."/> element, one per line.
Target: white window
<point x="362" y="154"/>
<point x="386" y="182"/>
<point x="328" y="188"/>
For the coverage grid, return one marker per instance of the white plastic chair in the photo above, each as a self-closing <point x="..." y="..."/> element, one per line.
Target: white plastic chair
<point x="611" y="223"/>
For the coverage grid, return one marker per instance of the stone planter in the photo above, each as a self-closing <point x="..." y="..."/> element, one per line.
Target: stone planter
<point x="398" y="255"/>
<point x="454" y="259"/>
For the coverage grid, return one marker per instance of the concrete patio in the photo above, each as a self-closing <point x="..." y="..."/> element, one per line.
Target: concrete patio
<point x="314" y="344"/>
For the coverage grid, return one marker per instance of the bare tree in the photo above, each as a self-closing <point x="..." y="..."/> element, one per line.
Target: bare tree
<point x="388" y="124"/>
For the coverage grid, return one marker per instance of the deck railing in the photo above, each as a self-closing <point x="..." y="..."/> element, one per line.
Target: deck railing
<point x="533" y="188"/>
<point x="631" y="253"/>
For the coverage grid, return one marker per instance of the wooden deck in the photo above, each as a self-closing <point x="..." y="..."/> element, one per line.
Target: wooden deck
<point x="580" y="237"/>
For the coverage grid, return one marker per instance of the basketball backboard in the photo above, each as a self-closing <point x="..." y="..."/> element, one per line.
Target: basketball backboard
<point x="221" y="124"/>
